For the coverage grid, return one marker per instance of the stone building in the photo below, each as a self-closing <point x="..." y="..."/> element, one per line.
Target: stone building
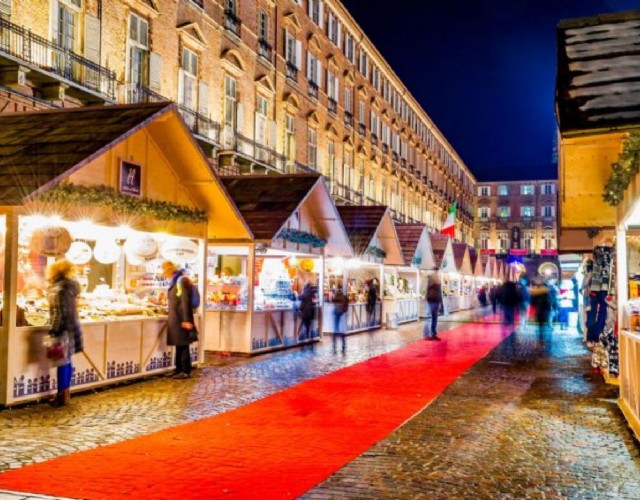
<point x="517" y="217"/>
<point x="266" y="86"/>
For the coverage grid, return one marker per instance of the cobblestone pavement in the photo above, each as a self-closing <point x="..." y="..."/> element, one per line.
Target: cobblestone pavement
<point x="528" y="421"/>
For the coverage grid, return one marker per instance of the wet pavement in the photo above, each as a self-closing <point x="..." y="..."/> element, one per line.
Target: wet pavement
<point x="528" y="421"/>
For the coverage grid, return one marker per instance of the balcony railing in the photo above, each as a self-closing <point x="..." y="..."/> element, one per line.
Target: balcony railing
<point x="374" y="140"/>
<point x="264" y="49"/>
<point x="332" y="105"/>
<point x="394" y="156"/>
<point x="260" y="152"/>
<point x="385" y="148"/>
<point x="403" y="163"/>
<point x="135" y="92"/>
<point x="36" y="51"/>
<point x="313" y="90"/>
<point x="301" y="168"/>
<point x="370" y="201"/>
<point x="232" y="22"/>
<point x="348" y="119"/>
<point x="345" y="193"/>
<point x="362" y="129"/>
<point x="292" y="71"/>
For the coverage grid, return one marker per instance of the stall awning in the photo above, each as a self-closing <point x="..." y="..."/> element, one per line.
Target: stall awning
<point x="443" y="252"/>
<point x="409" y="236"/>
<point x="461" y="256"/>
<point x="270" y="204"/>
<point x="372" y="226"/>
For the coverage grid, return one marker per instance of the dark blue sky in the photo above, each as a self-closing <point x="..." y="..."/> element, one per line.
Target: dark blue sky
<point x="484" y="71"/>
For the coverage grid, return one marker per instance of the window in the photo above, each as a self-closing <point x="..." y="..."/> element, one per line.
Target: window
<point x="231" y="6"/>
<point x="364" y="64"/>
<point x="313" y="148"/>
<point x="547" y="240"/>
<point x="484" y="239"/>
<point x="504" y="212"/>
<point x="349" y="50"/>
<point x="483" y="212"/>
<point x="359" y="187"/>
<point x="484" y="191"/>
<point x="371" y="191"/>
<point x="315" y="11"/>
<point x="547" y="211"/>
<point x="526" y="189"/>
<point x="263" y="26"/>
<point x="375" y="124"/>
<point x="333" y="86"/>
<point x="333" y="29"/>
<point x="66" y="28"/>
<point x="293" y="50"/>
<point x="503" y="190"/>
<point x="362" y="116"/>
<point x="261" y="120"/>
<point x="548" y="189"/>
<point x="290" y="137"/>
<point x="375" y="78"/>
<point x="330" y="170"/>
<point x="138" y="43"/>
<point x="230" y="108"/>
<point x="503" y="241"/>
<point x="383" y="190"/>
<point x="526" y="211"/>
<point x="528" y="241"/>
<point x="348" y="103"/>
<point x="188" y="79"/>
<point x="348" y="178"/>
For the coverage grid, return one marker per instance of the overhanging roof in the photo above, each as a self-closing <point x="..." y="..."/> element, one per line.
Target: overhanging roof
<point x="409" y="236"/>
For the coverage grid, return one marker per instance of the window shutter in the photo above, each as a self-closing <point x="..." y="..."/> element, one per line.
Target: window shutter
<point x="54" y="22"/>
<point x="272" y="134"/>
<point x="336" y="88"/>
<point x="203" y="99"/>
<point x="5" y="7"/>
<point x="330" y="26"/>
<point x="319" y="73"/>
<point x="309" y="74"/>
<point x="239" y="116"/>
<point x="311" y="2"/>
<point x="92" y="38"/>
<point x="155" y="71"/>
<point x="298" y="61"/>
<point x="339" y="39"/>
<point x="181" y="86"/>
<point x="321" y="17"/>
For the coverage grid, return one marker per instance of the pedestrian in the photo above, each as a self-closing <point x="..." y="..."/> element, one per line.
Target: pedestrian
<point x="181" y="330"/>
<point x="493" y="296"/>
<point x="434" y="300"/>
<point x="306" y="311"/>
<point x="482" y="296"/>
<point x="541" y="304"/>
<point x="65" y="326"/>
<point x="554" y="301"/>
<point x="372" y="300"/>
<point x="510" y="301"/>
<point x="524" y="301"/>
<point x="340" y="307"/>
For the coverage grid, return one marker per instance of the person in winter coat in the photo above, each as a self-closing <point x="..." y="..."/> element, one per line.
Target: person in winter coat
<point x="180" y="317"/>
<point x="65" y="326"/>
<point x="434" y="301"/>
<point x="372" y="300"/>
<point x="307" y="311"/>
<point x="510" y="298"/>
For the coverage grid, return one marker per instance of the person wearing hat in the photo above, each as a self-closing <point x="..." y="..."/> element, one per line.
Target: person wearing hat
<point x="180" y="317"/>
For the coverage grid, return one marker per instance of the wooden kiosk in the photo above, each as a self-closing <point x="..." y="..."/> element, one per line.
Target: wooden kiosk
<point x="253" y="284"/>
<point x="375" y="245"/>
<point x="114" y="189"/>
<point x="449" y="276"/>
<point x="463" y="265"/>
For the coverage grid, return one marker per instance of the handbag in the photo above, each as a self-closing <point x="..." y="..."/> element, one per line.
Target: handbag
<point x="57" y="348"/>
<point x="193" y="335"/>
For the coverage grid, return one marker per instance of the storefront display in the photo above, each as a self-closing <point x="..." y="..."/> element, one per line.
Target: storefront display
<point x="401" y="293"/>
<point x="448" y="272"/>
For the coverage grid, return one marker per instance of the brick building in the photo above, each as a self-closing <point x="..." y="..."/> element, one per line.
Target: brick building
<point x="266" y="86"/>
<point x="517" y="217"/>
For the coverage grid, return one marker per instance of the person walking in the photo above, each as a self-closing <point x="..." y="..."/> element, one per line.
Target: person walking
<point x="307" y="311"/>
<point x="340" y="307"/>
<point x="541" y="303"/>
<point x="510" y="301"/>
<point x="372" y="300"/>
<point x="524" y="301"/>
<point x="493" y="295"/>
<point x="434" y="301"/>
<point x="65" y="326"/>
<point x="181" y="330"/>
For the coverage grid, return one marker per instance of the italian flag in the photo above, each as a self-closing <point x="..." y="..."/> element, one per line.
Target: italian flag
<point x="449" y="227"/>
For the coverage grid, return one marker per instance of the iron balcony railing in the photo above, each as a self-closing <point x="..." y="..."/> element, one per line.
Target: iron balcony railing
<point x="313" y="89"/>
<point x="260" y="152"/>
<point x="348" y="118"/>
<point x="345" y="193"/>
<point x="232" y="22"/>
<point x="36" y="51"/>
<point x="301" y="168"/>
<point x="264" y="49"/>
<point x="332" y="105"/>
<point x="374" y="140"/>
<point x="385" y="148"/>
<point x="362" y="129"/>
<point x="292" y="71"/>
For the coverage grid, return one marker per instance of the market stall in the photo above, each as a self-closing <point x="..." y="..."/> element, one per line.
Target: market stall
<point x="254" y="287"/>
<point x="375" y="245"/>
<point x="463" y="265"/>
<point x="124" y="198"/>
<point x="442" y="248"/>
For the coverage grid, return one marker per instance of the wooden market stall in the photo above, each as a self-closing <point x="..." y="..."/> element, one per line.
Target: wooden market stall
<point x="114" y="189"/>
<point x="463" y="265"/>
<point x="375" y="245"/>
<point x="447" y="270"/>
<point x="254" y="285"/>
<point x="476" y="270"/>
<point x="412" y="239"/>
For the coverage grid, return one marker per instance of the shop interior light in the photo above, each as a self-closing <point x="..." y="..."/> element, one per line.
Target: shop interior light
<point x="293" y="261"/>
<point x="124" y="231"/>
<point x="352" y="263"/>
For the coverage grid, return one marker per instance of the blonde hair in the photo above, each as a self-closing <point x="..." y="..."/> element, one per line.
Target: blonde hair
<point x="167" y="265"/>
<point x="60" y="269"/>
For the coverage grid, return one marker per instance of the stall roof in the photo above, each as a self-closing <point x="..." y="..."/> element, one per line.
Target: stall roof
<point x="598" y="80"/>
<point x="365" y="223"/>
<point x="439" y="243"/>
<point x="409" y="236"/>
<point x="38" y="148"/>
<point x="460" y="254"/>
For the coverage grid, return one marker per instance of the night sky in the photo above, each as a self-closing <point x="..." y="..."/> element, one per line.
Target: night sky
<point x="484" y="71"/>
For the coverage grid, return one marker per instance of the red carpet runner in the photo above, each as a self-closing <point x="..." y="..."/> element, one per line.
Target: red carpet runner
<point x="278" y="447"/>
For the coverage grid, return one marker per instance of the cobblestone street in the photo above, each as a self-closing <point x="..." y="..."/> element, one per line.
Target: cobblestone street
<point x="528" y="421"/>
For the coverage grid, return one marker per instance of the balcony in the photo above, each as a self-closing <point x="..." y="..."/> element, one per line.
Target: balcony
<point x="50" y="64"/>
<point x="232" y="23"/>
<point x="385" y="148"/>
<point x="374" y="140"/>
<point x="370" y="201"/>
<point x="260" y="153"/>
<point x="332" y="105"/>
<point x="301" y="168"/>
<point x="292" y="71"/>
<point x="265" y="50"/>
<point x="313" y="90"/>
<point x="348" y="119"/>
<point x="346" y="195"/>
<point x="403" y="163"/>
<point x="394" y="156"/>
<point x="362" y="129"/>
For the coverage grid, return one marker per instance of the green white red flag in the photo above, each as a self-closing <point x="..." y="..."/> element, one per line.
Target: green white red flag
<point x="449" y="226"/>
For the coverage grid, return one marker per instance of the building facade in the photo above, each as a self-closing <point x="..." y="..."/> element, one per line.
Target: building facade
<point x="266" y="86"/>
<point x="517" y="218"/>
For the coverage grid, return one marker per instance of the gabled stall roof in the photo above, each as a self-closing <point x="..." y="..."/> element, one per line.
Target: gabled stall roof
<point x="598" y="80"/>
<point x="473" y="258"/>
<point x="268" y="203"/>
<point x="409" y="236"/>
<point x="443" y="252"/>
<point x="366" y="223"/>
<point x="461" y="256"/>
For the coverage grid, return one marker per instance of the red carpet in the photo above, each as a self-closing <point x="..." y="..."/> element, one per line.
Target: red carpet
<point x="278" y="447"/>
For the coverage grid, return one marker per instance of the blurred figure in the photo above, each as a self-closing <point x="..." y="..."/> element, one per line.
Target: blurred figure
<point x="482" y="296"/>
<point x="434" y="301"/>
<point x="340" y="307"/>
<point x="372" y="299"/>
<point x="554" y="301"/>
<point x="525" y="300"/>
<point x="493" y="295"/>
<point x="510" y="301"/>
<point x="540" y="302"/>
<point x="307" y="311"/>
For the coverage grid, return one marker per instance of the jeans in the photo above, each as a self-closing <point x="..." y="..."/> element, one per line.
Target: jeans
<point x="597" y="316"/>
<point x="183" y="359"/>
<point x="64" y="377"/>
<point x="434" y="307"/>
<point x="509" y="314"/>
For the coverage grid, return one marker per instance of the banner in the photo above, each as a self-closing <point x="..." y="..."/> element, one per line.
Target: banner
<point x="548" y="252"/>
<point x="518" y="251"/>
<point x="488" y="251"/>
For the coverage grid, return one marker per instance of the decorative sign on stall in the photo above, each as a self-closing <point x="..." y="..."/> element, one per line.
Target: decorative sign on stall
<point x="180" y="250"/>
<point x="140" y="248"/>
<point x="79" y="253"/>
<point x="130" y="178"/>
<point x="107" y="251"/>
<point x="50" y="241"/>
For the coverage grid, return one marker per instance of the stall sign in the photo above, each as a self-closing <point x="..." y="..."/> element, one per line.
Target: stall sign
<point x="488" y="251"/>
<point x="180" y="250"/>
<point x="518" y="251"/>
<point x="106" y="251"/>
<point x="130" y="178"/>
<point x="50" y="241"/>
<point x="140" y="248"/>
<point x="549" y="251"/>
<point x="79" y="253"/>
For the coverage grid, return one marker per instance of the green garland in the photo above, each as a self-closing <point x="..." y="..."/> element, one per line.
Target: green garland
<point x="301" y="237"/>
<point x="623" y="170"/>
<point x="122" y="203"/>
<point x="376" y="252"/>
<point x="417" y="260"/>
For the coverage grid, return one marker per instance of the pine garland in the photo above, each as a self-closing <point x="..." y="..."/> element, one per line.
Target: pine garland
<point x="376" y="252"/>
<point x="623" y="170"/>
<point x="301" y="237"/>
<point x="417" y="260"/>
<point x="122" y="203"/>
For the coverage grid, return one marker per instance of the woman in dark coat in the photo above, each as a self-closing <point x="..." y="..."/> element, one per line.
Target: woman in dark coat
<point x="372" y="300"/>
<point x="180" y="317"/>
<point x="307" y="311"/>
<point x="65" y="326"/>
